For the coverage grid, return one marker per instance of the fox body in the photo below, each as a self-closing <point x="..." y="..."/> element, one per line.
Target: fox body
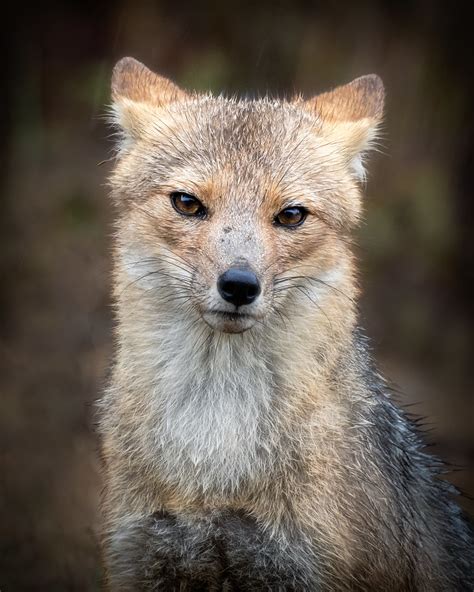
<point x="248" y="442"/>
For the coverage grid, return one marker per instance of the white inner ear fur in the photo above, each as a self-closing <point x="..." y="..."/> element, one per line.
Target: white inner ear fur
<point x="356" y="139"/>
<point x="132" y="118"/>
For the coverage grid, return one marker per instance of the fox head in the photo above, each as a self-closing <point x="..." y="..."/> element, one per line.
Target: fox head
<point x="236" y="214"/>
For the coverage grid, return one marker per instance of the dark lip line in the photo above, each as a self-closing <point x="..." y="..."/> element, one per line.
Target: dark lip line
<point x="230" y="315"/>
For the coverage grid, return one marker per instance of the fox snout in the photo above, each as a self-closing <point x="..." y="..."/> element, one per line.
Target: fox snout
<point x="235" y="304"/>
<point x="239" y="286"/>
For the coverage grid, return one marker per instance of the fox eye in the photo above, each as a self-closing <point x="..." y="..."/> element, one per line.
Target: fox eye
<point x="187" y="204"/>
<point x="291" y="217"/>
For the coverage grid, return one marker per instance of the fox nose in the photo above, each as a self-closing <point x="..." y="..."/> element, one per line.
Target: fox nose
<point x="238" y="286"/>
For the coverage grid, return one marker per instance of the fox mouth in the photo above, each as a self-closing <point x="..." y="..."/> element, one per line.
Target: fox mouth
<point x="229" y="322"/>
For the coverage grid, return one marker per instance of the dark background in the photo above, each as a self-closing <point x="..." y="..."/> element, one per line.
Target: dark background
<point x="415" y="247"/>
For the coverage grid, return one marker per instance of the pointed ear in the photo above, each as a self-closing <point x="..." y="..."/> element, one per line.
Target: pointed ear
<point x="350" y="115"/>
<point x="136" y="94"/>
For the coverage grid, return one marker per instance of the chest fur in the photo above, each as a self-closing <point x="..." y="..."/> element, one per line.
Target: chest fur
<point x="210" y="423"/>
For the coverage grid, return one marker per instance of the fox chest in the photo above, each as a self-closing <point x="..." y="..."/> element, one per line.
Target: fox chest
<point x="213" y="436"/>
<point x="227" y="552"/>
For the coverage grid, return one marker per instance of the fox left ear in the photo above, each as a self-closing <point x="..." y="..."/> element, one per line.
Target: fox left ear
<point x="350" y="116"/>
<point x="137" y="93"/>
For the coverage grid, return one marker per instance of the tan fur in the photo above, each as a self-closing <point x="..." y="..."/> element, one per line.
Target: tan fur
<point x="237" y="449"/>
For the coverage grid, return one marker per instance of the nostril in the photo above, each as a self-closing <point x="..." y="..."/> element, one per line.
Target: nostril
<point x="253" y="290"/>
<point x="238" y="286"/>
<point x="228" y="289"/>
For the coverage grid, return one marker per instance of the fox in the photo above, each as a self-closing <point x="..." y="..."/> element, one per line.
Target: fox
<point x="249" y="443"/>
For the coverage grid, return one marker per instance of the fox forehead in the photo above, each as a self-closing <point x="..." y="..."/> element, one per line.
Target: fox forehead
<point x="249" y="152"/>
<point x="218" y="132"/>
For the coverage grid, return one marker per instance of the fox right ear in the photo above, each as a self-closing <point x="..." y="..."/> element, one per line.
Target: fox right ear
<point x="136" y="94"/>
<point x="351" y="115"/>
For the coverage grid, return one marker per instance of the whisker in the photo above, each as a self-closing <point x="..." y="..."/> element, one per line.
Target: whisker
<point x="303" y="290"/>
<point x="187" y="267"/>
<point x="279" y="281"/>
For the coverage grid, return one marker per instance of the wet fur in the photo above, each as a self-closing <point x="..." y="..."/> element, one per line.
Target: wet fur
<point x="272" y="459"/>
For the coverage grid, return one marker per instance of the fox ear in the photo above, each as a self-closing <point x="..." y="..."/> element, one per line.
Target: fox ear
<point x="136" y="93"/>
<point x="350" y="115"/>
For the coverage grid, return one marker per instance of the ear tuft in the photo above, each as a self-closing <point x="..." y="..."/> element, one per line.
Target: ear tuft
<point x="350" y="116"/>
<point x="137" y="94"/>
<point x="371" y="88"/>
<point x="133" y="81"/>
<point x="125" y="70"/>
<point x="363" y="98"/>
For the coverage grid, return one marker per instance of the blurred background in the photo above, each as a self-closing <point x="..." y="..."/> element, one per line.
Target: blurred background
<point x="416" y="245"/>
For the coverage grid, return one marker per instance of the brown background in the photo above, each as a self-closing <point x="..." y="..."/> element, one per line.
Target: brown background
<point x="415" y="247"/>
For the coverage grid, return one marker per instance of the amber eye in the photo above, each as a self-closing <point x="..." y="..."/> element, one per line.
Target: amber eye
<point x="187" y="204"/>
<point x="291" y="217"/>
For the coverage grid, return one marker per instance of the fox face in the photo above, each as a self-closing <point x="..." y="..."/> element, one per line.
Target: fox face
<point x="237" y="213"/>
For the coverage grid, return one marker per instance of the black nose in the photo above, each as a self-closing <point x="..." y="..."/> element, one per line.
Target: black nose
<point x="238" y="286"/>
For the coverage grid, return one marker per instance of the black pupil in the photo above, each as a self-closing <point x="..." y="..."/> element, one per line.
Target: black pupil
<point x="187" y="204"/>
<point x="291" y="216"/>
<point x="187" y="201"/>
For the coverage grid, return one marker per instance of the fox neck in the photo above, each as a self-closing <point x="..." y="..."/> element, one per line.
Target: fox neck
<point x="217" y="404"/>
